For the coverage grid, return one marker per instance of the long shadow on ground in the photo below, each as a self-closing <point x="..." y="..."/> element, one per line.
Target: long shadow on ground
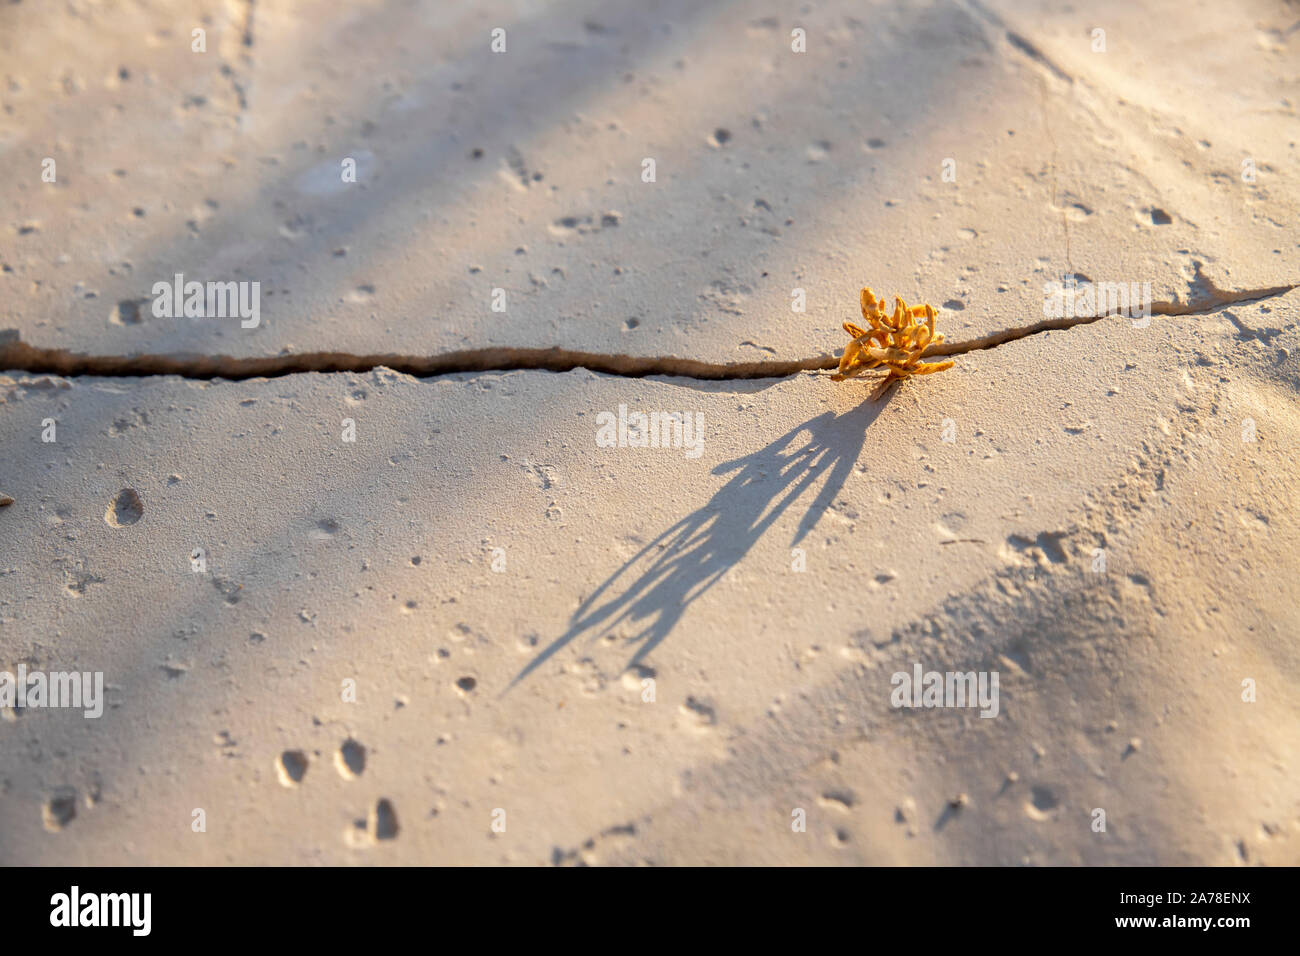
<point x="653" y="589"/>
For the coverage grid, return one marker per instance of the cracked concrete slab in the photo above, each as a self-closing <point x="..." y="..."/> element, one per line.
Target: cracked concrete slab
<point x="374" y="650"/>
<point x="964" y="154"/>
<point x="381" y="575"/>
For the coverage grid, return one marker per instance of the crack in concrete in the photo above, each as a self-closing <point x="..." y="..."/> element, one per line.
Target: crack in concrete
<point x="1219" y="299"/>
<point x="16" y="355"/>
<point x="1019" y="41"/>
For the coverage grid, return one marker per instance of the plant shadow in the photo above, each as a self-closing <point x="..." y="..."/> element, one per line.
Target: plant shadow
<point x="653" y="589"/>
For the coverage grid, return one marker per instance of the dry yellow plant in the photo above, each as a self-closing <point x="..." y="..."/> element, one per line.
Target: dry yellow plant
<point x="897" y="342"/>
